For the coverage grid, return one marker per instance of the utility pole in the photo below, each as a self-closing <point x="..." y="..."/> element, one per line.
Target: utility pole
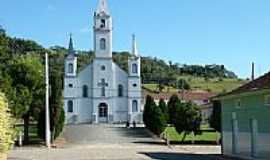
<point x="47" y="118"/>
<point x="253" y="71"/>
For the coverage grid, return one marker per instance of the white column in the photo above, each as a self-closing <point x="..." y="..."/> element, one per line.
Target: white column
<point x="254" y="135"/>
<point x="234" y="134"/>
<point x="47" y="121"/>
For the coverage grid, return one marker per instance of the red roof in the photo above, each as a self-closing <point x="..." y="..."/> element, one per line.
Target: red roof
<point x="187" y="95"/>
<point x="260" y="83"/>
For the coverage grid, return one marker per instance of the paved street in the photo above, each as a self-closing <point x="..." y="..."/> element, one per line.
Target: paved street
<point x="87" y="142"/>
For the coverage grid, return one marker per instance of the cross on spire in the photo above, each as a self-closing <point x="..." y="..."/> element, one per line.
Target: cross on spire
<point x="102" y="7"/>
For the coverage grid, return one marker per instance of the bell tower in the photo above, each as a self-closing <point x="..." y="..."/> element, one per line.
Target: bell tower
<point x="71" y="60"/>
<point x="103" y="31"/>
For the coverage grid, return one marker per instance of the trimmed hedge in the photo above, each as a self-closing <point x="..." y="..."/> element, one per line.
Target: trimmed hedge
<point x="6" y="130"/>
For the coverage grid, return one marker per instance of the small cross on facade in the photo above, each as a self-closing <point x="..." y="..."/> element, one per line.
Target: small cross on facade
<point x="103" y="84"/>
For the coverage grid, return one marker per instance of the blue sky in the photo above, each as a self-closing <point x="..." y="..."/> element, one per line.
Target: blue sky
<point x="229" y="32"/>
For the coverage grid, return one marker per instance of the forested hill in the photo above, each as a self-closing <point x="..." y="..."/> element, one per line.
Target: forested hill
<point x="153" y="70"/>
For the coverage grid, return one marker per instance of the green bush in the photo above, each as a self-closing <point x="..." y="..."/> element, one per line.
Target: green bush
<point x="153" y="117"/>
<point x="158" y="122"/>
<point x="164" y="108"/>
<point x="188" y="119"/>
<point x="215" y="119"/>
<point x="173" y="103"/>
<point x="57" y="122"/>
<point x="6" y="130"/>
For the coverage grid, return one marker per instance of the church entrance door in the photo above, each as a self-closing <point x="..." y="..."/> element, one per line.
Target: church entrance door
<point x="103" y="113"/>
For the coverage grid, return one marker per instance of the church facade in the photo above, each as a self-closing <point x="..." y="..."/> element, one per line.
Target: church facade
<point x="102" y="92"/>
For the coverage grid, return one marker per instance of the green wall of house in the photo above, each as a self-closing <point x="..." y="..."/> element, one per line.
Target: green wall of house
<point x="252" y="107"/>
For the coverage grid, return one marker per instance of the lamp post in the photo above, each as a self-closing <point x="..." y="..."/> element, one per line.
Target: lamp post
<point x="47" y="111"/>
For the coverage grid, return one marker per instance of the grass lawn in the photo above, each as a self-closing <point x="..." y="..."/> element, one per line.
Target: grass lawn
<point x="33" y="137"/>
<point x="207" y="135"/>
<point x="214" y="85"/>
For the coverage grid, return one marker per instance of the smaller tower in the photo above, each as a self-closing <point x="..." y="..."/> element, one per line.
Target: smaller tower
<point x="134" y="85"/>
<point x="134" y="62"/>
<point x="71" y="60"/>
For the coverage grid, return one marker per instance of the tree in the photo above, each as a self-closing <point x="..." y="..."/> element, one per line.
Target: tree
<point x="215" y="119"/>
<point x="6" y="130"/>
<point x="27" y="82"/>
<point x="57" y="113"/>
<point x="164" y="108"/>
<point x="188" y="119"/>
<point x="147" y="113"/>
<point x="183" y="84"/>
<point x="172" y="105"/>
<point x="160" y="87"/>
<point x="158" y="121"/>
<point x="153" y="117"/>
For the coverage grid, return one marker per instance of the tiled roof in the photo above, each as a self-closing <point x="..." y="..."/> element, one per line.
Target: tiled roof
<point x="260" y="83"/>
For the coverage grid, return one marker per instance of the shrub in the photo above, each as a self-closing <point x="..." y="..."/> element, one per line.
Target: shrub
<point x="215" y="119"/>
<point x="172" y="105"/>
<point x="6" y="130"/>
<point x="164" y="108"/>
<point x="153" y="117"/>
<point x="158" y="122"/>
<point x="188" y="119"/>
<point x="57" y="121"/>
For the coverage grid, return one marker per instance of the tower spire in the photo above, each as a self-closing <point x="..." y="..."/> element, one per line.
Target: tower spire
<point x="70" y="46"/>
<point x="134" y="46"/>
<point x="102" y="7"/>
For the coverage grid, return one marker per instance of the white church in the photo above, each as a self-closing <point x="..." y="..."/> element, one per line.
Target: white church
<point x="102" y="92"/>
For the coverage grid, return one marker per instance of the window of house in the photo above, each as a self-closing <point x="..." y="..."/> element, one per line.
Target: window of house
<point x="85" y="91"/>
<point x="103" y="23"/>
<point x="102" y="43"/>
<point x="238" y="103"/>
<point x="134" y="106"/>
<point x="120" y="90"/>
<point x="70" y="106"/>
<point x="134" y="68"/>
<point x="103" y="68"/>
<point x="70" y="68"/>
<point x="70" y="85"/>
<point x="134" y="85"/>
<point x="267" y="100"/>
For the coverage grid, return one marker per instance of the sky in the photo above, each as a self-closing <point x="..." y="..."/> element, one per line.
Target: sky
<point x="230" y="32"/>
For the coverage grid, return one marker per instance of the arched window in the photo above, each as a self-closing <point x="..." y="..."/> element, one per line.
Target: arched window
<point x="70" y="68"/>
<point x="102" y="43"/>
<point x="85" y="91"/>
<point x="103" y="23"/>
<point x="134" y="106"/>
<point x="134" y="68"/>
<point x="120" y="91"/>
<point x="70" y="106"/>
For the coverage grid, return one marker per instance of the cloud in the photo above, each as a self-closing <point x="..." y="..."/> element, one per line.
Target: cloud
<point x="51" y="7"/>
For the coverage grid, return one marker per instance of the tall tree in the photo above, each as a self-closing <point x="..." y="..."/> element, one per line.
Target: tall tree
<point x="56" y="101"/>
<point x="164" y="108"/>
<point x="188" y="119"/>
<point x="148" y="108"/>
<point x="27" y="81"/>
<point x="215" y="119"/>
<point x="173" y="103"/>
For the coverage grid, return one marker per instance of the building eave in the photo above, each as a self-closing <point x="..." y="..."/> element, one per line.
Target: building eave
<point x="243" y="94"/>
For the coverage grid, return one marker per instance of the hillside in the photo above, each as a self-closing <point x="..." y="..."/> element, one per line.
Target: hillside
<point x="215" y="85"/>
<point x="213" y="77"/>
